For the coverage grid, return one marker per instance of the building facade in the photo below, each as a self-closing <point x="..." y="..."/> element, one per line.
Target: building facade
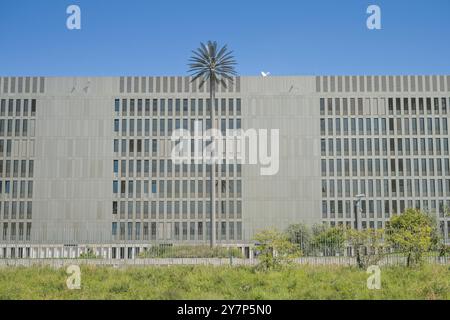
<point x="87" y="161"/>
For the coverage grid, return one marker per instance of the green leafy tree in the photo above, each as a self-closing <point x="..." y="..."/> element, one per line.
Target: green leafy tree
<point x="368" y="246"/>
<point x="328" y="240"/>
<point x="411" y="232"/>
<point x="300" y="234"/>
<point x="274" y="249"/>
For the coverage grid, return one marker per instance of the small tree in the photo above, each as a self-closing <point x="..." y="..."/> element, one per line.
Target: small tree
<point x="411" y="232"/>
<point x="368" y="246"/>
<point x="89" y="254"/>
<point x="301" y="235"/>
<point x="329" y="240"/>
<point x="274" y="249"/>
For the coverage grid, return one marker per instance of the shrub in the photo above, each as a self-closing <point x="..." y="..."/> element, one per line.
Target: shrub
<point x="274" y="249"/>
<point x="368" y="245"/>
<point x="411" y="232"/>
<point x="89" y="254"/>
<point x="184" y="251"/>
<point x="328" y="240"/>
<point x="301" y="235"/>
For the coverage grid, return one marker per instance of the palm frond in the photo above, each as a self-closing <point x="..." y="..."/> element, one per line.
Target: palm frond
<point x="209" y="62"/>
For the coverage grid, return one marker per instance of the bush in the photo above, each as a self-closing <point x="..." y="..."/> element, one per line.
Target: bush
<point x="328" y="240"/>
<point x="318" y="239"/>
<point x="201" y="251"/>
<point x="413" y="233"/>
<point x="89" y="254"/>
<point x="274" y="249"/>
<point x="301" y="235"/>
<point x="368" y="245"/>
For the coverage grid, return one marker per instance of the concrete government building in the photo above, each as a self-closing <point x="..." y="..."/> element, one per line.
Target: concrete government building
<point x="86" y="162"/>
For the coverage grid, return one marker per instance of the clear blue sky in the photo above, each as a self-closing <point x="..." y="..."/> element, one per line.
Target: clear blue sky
<point x="285" y="37"/>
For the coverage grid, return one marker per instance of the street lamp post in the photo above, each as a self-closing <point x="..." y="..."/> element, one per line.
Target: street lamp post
<point x="358" y="211"/>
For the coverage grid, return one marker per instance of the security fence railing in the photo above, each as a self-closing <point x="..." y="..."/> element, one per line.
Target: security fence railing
<point x="317" y="244"/>
<point x="328" y="252"/>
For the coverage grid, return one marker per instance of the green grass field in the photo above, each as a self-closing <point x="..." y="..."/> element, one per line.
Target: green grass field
<point x="203" y="282"/>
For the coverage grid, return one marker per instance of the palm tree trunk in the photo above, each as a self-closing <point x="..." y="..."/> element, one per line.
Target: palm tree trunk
<point x="212" y="186"/>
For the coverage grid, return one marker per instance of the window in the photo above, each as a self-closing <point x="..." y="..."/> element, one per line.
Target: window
<point x="428" y="105"/>
<point x="33" y="107"/>
<point x="324" y="167"/>
<point x="18" y="106"/>
<point x="238" y="107"/>
<point x="413" y="106"/>
<point x="391" y="105"/>
<point x="330" y="106"/>
<point x="421" y="106"/>
<point x="162" y="107"/>
<point x="322" y="106"/>
<point x="155" y="106"/>
<point x="398" y="106"/>
<point x="406" y="105"/>
<point x="322" y="127"/>
<point x="177" y="106"/>
<point x="323" y="147"/>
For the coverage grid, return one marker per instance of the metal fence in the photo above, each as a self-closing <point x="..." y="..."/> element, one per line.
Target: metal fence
<point x="166" y="254"/>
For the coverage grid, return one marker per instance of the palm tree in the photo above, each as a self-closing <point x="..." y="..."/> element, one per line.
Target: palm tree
<point x="211" y="64"/>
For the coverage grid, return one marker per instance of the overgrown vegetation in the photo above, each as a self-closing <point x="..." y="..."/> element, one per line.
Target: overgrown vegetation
<point x="274" y="249"/>
<point x="89" y="254"/>
<point x="165" y="251"/>
<point x="228" y="283"/>
<point x="317" y="240"/>
<point x="368" y="245"/>
<point x="413" y="233"/>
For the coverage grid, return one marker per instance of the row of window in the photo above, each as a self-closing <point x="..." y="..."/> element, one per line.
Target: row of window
<point x="164" y="107"/>
<point x="400" y="146"/>
<point x="141" y="168"/>
<point x="165" y="148"/>
<point x="16" y="210"/>
<point x="364" y="224"/>
<point x="17" y="107"/>
<point x="21" y="252"/>
<point x="382" y="224"/>
<point x="377" y="126"/>
<point x="176" y="209"/>
<point x="17" y="189"/>
<point x="133" y="231"/>
<point x="17" y="148"/>
<point x="399" y="106"/>
<point x="384" y="167"/>
<point x="165" y="127"/>
<point x="17" y="168"/>
<point x="17" y="128"/>
<point x="379" y="209"/>
<point x="386" y="188"/>
<point x="174" y="188"/>
<point x="16" y="231"/>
